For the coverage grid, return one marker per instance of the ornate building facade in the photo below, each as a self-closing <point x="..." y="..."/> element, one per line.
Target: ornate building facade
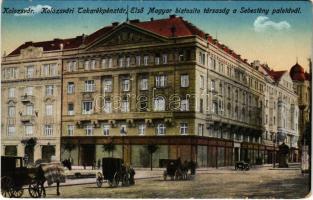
<point x="30" y="84"/>
<point x="167" y="83"/>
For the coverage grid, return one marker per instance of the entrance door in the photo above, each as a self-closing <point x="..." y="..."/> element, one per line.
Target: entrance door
<point x="46" y="152"/>
<point x="29" y="152"/>
<point x="88" y="154"/>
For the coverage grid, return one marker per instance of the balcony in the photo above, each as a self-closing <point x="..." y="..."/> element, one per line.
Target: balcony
<point x="27" y="98"/>
<point x="27" y="118"/>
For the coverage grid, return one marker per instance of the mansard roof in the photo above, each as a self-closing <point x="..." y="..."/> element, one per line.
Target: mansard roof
<point x="169" y="27"/>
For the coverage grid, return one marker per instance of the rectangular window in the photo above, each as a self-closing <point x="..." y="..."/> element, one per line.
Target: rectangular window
<point x="87" y="65"/>
<point x="48" y="130"/>
<point x="29" y="71"/>
<point x="70" y="130"/>
<point x="138" y="60"/>
<point x="145" y="60"/>
<point x="126" y="85"/>
<point x="90" y="86"/>
<point x="70" y="88"/>
<point x="121" y="62"/>
<point x="184" y="105"/>
<point x="11" y="73"/>
<point x="164" y="58"/>
<point x="49" y="110"/>
<point x="106" y="129"/>
<point x="107" y="106"/>
<point x="87" y="107"/>
<point x="144" y="84"/>
<point x="157" y="60"/>
<point x="89" y="130"/>
<point x="184" y="80"/>
<point x="201" y="106"/>
<point x="29" y="109"/>
<point x="49" y="90"/>
<point x="125" y="106"/>
<point x="71" y="66"/>
<point x="104" y="63"/>
<point x="70" y="109"/>
<point x="183" y="128"/>
<point x="49" y="69"/>
<point x="160" y="129"/>
<point x="200" y="129"/>
<point x="11" y="92"/>
<point x="29" y="130"/>
<point x="128" y="62"/>
<point x="201" y="82"/>
<point x="202" y="58"/>
<point x="11" y="130"/>
<point x="160" y="81"/>
<point x="110" y="62"/>
<point x="107" y="85"/>
<point x="92" y="64"/>
<point x="11" y="110"/>
<point x="212" y="85"/>
<point x="141" y="129"/>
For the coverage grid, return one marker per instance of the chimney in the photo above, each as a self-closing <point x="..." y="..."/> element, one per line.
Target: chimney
<point x="29" y="43"/>
<point x="172" y="16"/>
<point x="256" y="63"/>
<point x="61" y="46"/>
<point x="135" y="21"/>
<point x="151" y="19"/>
<point x="115" y="23"/>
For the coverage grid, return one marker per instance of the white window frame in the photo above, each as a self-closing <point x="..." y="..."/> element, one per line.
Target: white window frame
<point x="161" y="129"/>
<point x="49" y="109"/>
<point x="159" y="103"/>
<point x="48" y="130"/>
<point x="164" y="58"/>
<point x="106" y="129"/>
<point x="89" y="130"/>
<point x="11" y="92"/>
<point x="29" y="109"/>
<point x="125" y="85"/>
<point x="125" y="105"/>
<point x="28" y="91"/>
<point x="70" y="112"/>
<point x="184" y="105"/>
<point x="200" y="129"/>
<point x="90" y="86"/>
<point x="160" y="81"/>
<point x="107" y="106"/>
<point x="138" y="60"/>
<point x="30" y="71"/>
<point x="87" y="65"/>
<point x="184" y="80"/>
<point x="144" y="84"/>
<point x="84" y="106"/>
<point x="141" y="129"/>
<point x="28" y="130"/>
<point x="145" y="60"/>
<point x="70" y="87"/>
<point x="201" y="82"/>
<point x="183" y="129"/>
<point x="70" y="130"/>
<point x="49" y="90"/>
<point x="11" y="111"/>
<point x="107" y="85"/>
<point x="11" y="130"/>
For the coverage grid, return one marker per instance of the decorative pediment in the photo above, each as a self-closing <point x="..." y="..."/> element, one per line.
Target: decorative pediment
<point x="125" y="35"/>
<point x="49" y="99"/>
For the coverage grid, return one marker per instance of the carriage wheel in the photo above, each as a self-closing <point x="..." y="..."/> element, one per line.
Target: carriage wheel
<point x="6" y="186"/>
<point x="17" y="192"/>
<point x="116" y="180"/>
<point x="34" y="190"/>
<point x="125" y="180"/>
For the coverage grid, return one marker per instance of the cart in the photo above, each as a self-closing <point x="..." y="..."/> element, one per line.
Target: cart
<point x="115" y="172"/>
<point x="14" y="177"/>
<point x="176" y="171"/>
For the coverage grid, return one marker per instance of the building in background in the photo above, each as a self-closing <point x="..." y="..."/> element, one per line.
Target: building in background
<point x="167" y="83"/>
<point x="31" y="103"/>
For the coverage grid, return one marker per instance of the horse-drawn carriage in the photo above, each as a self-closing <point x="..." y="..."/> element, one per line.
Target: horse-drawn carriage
<point x="115" y="172"/>
<point x="179" y="171"/>
<point x="242" y="166"/>
<point x="15" y="177"/>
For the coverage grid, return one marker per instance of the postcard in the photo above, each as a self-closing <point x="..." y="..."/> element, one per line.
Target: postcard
<point x="156" y="99"/>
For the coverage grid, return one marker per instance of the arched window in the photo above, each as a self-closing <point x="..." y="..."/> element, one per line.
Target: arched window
<point x="159" y="104"/>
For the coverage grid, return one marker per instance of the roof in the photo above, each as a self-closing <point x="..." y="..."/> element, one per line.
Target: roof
<point x="168" y="27"/>
<point x="275" y="75"/>
<point x="297" y="73"/>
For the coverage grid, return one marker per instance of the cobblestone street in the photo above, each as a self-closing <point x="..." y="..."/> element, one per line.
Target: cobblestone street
<point x="264" y="182"/>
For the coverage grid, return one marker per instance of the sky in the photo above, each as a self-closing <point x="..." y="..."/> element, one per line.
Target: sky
<point x="278" y="39"/>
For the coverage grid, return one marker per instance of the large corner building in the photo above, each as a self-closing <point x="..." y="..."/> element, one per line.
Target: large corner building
<point x="162" y="82"/>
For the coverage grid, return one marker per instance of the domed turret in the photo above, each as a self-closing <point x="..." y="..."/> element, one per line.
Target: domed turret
<point x="297" y="73"/>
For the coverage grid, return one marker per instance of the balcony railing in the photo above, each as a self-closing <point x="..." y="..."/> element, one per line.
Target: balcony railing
<point x="27" y="118"/>
<point x="27" y="98"/>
